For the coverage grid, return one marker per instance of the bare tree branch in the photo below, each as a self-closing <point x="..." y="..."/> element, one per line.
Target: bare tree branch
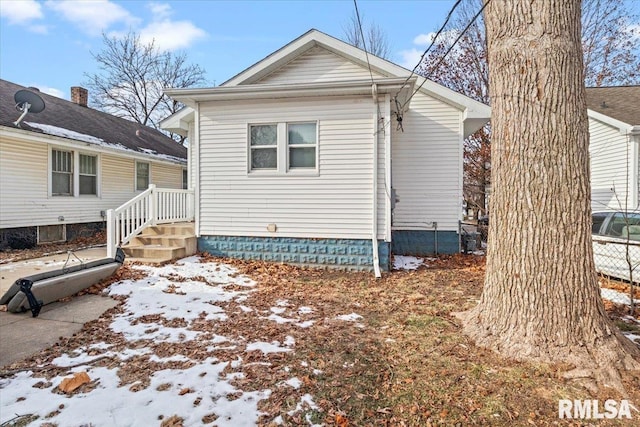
<point x="132" y="78"/>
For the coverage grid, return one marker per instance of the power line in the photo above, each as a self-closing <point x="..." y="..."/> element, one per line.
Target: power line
<point x="364" y="42"/>
<point x="430" y="45"/>
<point x="447" y="52"/>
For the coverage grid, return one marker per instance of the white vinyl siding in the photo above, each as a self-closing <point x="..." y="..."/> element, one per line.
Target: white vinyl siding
<point x="612" y="158"/>
<point x="29" y="203"/>
<point x="427" y="168"/>
<point x="317" y="65"/>
<point x="335" y="202"/>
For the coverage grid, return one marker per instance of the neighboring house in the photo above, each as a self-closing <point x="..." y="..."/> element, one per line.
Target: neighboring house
<point x="614" y="128"/>
<point x="301" y="158"/>
<point x="61" y="169"/>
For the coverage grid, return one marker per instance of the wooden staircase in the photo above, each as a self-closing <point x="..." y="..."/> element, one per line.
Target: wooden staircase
<point x="161" y="243"/>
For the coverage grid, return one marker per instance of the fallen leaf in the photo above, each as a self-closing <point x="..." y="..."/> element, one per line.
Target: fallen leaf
<point x="69" y="384"/>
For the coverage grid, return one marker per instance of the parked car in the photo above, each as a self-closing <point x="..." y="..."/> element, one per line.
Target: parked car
<point x="616" y="234"/>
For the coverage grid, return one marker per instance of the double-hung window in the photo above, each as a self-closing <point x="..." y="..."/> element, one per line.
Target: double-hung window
<point x="264" y="147"/>
<point x="283" y="147"/>
<point x="301" y="140"/>
<point x="88" y="174"/>
<point x="142" y="176"/>
<point x="73" y="173"/>
<point x="61" y="173"/>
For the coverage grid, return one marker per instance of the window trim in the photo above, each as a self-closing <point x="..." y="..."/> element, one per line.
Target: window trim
<point x="282" y="146"/>
<point x="97" y="175"/>
<point x="250" y="149"/>
<point x="70" y="174"/>
<point x="288" y="146"/>
<point x="135" y="176"/>
<point x="75" y="174"/>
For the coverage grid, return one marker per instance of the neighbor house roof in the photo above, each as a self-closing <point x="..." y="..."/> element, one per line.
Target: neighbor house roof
<point x="621" y="103"/>
<point x="66" y="119"/>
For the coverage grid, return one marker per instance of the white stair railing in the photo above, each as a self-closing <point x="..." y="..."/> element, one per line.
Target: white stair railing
<point x="152" y="206"/>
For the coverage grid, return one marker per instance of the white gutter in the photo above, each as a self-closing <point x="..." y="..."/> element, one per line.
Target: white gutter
<point x="251" y="92"/>
<point x="374" y="226"/>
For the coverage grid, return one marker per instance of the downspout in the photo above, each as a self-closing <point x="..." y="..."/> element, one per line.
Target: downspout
<point x="374" y="225"/>
<point x="196" y="157"/>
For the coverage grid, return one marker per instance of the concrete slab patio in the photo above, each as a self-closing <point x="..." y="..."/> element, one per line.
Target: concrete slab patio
<point x="22" y="335"/>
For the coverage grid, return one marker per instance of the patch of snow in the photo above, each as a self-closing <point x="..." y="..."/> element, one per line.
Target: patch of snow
<point x="616" y="297"/>
<point x="279" y="319"/>
<point x="70" y="134"/>
<point x="111" y="404"/>
<point x="349" y="317"/>
<point x="169" y="293"/>
<point x="278" y="310"/>
<point x="266" y="347"/>
<point x="305" y="310"/>
<point x="293" y="383"/>
<point x="305" y="324"/>
<point x="406" y="262"/>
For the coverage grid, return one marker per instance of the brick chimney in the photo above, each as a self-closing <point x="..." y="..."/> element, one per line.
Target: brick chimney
<point x="79" y="95"/>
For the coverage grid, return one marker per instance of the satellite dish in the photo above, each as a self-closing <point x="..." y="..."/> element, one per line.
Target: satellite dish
<point x="27" y="102"/>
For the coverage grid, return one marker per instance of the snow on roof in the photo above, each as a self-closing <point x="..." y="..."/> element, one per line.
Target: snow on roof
<point x="70" y="134"/>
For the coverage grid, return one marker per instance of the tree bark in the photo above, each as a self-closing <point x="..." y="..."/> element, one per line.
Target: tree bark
<point x="541" y="299"/>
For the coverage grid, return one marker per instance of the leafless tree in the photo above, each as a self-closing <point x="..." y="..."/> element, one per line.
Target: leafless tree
<point x="375" y="39"/>
<point x="541" y="299"/>
<point x="132" y="77"/>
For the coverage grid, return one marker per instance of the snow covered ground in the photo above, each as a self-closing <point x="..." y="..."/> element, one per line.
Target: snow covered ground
<point x="197" y="373"/>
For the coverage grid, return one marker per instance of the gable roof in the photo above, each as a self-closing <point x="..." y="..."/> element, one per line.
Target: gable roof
<point x="621" y="103"/>
<point x="475" y="114"/>
<point x="62" y="118"/>
<point x="380" y="66"/>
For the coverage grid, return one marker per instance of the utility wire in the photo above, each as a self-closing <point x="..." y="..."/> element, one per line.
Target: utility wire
<point x="433" y="41"/>
<point x="364" y="42"/>
<point x="447" y="52"/>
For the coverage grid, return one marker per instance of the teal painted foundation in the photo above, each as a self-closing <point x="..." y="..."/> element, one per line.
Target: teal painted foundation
<point x="343" y="254"/>
<point x="423" y="243"/>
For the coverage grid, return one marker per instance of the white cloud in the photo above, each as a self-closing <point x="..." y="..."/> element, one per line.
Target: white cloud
<point x="409" y="58"/>
<point x="160" y="11"/>
<point x="21" y="12"/>
<point x="634" y="31"/>
<point x="50" y="91"/>
<point x="167" y="34"/>
<point x="92" y="17"/>
<point x="424" y="39"/>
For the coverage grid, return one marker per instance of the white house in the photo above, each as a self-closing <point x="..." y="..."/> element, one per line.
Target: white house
<point x="322" y="155"/>
<point x="614" y="127"/>
<point x="63" y="168"/>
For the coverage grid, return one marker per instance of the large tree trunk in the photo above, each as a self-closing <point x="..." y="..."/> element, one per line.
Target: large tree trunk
<point x="541" y="299"/>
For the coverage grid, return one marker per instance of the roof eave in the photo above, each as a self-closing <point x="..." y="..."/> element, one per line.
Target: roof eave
<point x="623" y="128"/>
<point x="191" y="97"/>
<point x="54" y="139"/>
<point x="179" y="121"/>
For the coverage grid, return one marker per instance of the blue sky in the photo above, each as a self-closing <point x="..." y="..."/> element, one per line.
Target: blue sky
<point x="48" y="44"/>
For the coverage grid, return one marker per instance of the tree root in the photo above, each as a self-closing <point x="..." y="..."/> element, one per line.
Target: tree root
<point x="599" y="365"/>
